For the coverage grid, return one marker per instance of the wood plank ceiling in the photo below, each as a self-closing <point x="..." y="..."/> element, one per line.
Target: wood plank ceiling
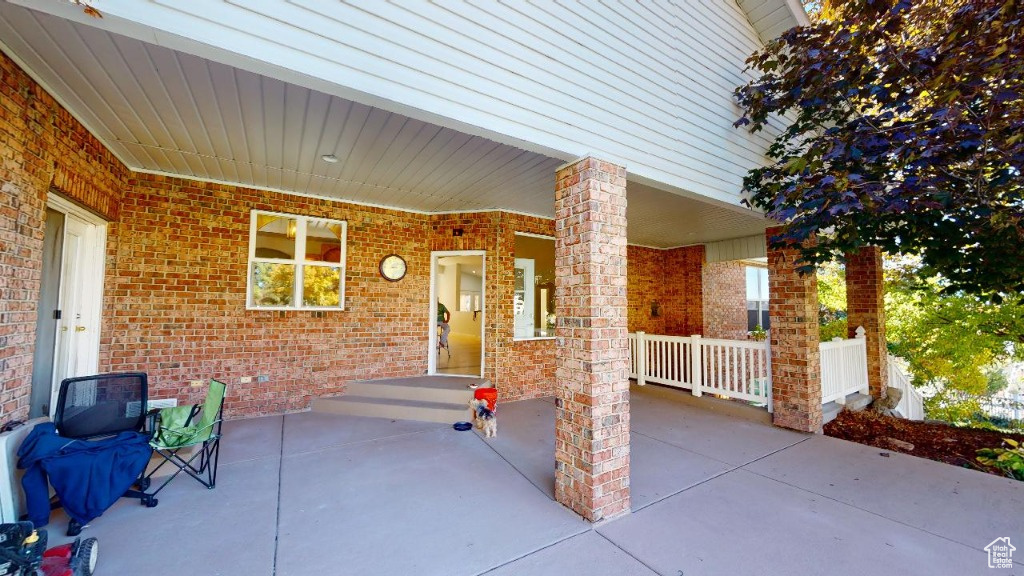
<point x="164" y="111"/>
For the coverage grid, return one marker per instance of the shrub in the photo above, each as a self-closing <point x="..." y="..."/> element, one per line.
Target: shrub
<point x="1009" y="460"/>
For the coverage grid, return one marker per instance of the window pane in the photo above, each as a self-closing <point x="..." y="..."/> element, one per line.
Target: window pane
<point x="534" y="291"/>
<point x="272" y="284"/>
<point x="753" y="284"/>
<point x="751" y="319"/>
<point x="522" y="304"/>
<point x="323" y="241"/>
<point x="321" y="286"/>
<point x="275" y="236"/>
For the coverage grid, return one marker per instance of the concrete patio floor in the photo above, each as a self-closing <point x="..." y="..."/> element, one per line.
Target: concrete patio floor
<point x="308" y="493"/>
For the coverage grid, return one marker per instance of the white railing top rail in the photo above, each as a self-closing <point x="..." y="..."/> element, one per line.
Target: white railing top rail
<point x="660" y="337"/>
<point x="752" y="344"/>
<point x="844" y="342"/>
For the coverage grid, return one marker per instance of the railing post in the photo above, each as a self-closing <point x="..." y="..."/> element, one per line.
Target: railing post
<point x="864" y="344"/>
<point x="696" y="364"/>
<point x="641" y="359"/>
<point x="768" y="372"/>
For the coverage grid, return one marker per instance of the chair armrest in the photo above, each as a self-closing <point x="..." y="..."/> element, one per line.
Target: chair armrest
<point x="151" y="424"/>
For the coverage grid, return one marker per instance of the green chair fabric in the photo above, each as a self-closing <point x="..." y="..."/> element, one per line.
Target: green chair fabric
<point x="175" y="430"/>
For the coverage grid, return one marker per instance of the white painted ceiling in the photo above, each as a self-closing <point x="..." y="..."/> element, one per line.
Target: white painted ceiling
<point x="168" y="112"/>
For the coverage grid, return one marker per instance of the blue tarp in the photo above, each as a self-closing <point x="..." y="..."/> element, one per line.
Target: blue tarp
<point x="87" y="475"/>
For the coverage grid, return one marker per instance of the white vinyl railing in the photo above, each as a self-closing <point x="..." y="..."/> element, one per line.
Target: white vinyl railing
<point x="741" y="369"/>
<point x="911" y="405"/>
<point x="733" y="368"/>
<point x="844" y="368"/>
<point x="737" y="368"/>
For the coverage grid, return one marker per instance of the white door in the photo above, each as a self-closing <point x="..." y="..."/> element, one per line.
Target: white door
<point x="524" y="298"/>
<point x="73" y="355"/>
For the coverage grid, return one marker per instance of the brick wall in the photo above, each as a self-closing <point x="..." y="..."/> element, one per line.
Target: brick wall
<point x="42" y="148"/>
<point x="176" y="296"/>
<point x="683" y="291"/>
<point x="176" y="291"/>
<point x="520" y="369"/>
<point x="645" y="284"/>
<point x="725" y="300"/>
<point x="525" y="368"/>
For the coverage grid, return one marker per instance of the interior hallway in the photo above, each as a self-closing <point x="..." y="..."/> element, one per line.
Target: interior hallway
<point x="464" y="358"/>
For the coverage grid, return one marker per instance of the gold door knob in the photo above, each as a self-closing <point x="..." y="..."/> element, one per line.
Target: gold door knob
<point x="79" y="328"/>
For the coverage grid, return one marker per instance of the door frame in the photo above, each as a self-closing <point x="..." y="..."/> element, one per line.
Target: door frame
<point x="435" y="256"/>
<point x="92" y="277"/>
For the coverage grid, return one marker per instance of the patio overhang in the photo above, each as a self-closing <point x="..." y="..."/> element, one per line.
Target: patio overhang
<point x="176" y="101"/>
<point x="167" y="104"/>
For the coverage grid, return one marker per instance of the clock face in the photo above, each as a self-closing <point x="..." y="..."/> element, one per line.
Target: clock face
<point x="392" y="268"/>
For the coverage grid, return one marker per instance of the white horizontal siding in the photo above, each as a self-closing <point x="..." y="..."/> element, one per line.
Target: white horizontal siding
<point x="644" y="84"/>
<point x="745" y="248"/>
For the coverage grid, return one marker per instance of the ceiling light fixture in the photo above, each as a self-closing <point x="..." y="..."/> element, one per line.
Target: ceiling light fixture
<point x="329" y="158"/>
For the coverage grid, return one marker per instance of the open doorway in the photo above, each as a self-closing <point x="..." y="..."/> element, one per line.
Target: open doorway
<point x="70" y="299"/>
<point x="457" y="287"/>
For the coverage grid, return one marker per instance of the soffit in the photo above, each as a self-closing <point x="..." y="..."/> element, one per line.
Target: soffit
<point x="165" y="111"/>
<point x="773" y="17"/>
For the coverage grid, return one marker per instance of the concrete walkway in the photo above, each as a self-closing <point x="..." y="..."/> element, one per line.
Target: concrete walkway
<point x="308" y="494"/>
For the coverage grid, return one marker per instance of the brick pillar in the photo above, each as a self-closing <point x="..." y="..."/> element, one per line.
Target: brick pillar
<point x="865" y="306"/>
<point x="795" y="360"/>
<point x="592" y="425"/>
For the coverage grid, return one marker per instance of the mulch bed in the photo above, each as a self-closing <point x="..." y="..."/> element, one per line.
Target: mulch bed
<point x="940" y="442"/>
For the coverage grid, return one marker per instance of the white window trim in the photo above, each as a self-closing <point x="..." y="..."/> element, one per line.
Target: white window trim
<point x="298" y="261"/>
<point x="531" y="338"/>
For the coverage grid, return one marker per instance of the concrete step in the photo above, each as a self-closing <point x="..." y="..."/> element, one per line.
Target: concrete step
<point x="829" y="412"/>
<point x="395" y="408"/>
<point x="854" y="402"/>
<point x="402" y="389"/>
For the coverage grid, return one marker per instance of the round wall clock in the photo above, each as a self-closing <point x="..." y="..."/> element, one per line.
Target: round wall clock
<point x="393" y="267"/>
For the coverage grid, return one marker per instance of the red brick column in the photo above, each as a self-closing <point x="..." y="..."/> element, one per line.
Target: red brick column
<point x="592" y="356"/>
<point x="865" y="306"/>
<point x="796" y="362"/>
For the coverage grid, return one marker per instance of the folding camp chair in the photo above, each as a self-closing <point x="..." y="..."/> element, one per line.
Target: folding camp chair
<point x="177" y="430"/>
